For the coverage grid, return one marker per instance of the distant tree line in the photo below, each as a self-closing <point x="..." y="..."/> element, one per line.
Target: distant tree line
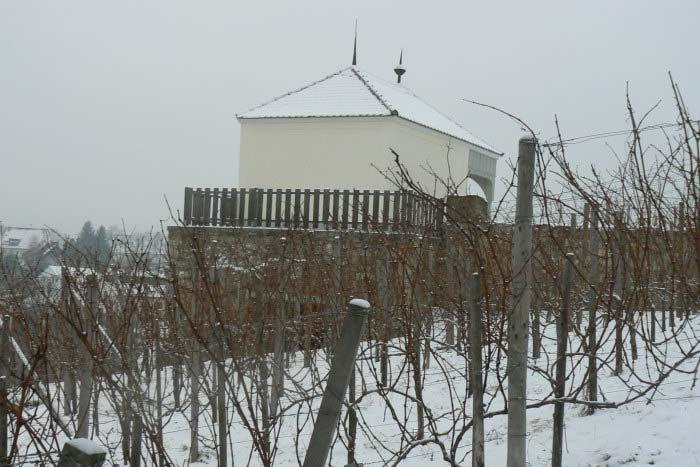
<point x="91" y="243"/>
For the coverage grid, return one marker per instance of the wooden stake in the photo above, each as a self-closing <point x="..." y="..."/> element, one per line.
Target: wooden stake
<point x="476" y="377"/>
<point x="352" y="419"/>
<point x="221" y="395"/>
<point x="279" y="343"/>
<point x="617" y="264"/>
<point x="159" y="395"/>
<point x="594" y="280"/>
<point x="560" y="378"/>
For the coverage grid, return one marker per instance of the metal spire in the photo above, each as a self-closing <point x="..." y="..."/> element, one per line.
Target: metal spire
<point x="354" y="47"/>
<point x="400" y="69"/>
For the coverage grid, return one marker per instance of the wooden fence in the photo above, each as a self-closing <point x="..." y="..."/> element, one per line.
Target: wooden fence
<point x="328" y="209"/>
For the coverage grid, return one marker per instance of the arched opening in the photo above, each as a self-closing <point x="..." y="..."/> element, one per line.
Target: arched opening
<point x="480" y="186"/>
<point x="473" y="188"/>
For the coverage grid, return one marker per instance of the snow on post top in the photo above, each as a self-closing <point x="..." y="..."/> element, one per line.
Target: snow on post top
<point x="360" y="303"/>
<point x="86" y="446"/>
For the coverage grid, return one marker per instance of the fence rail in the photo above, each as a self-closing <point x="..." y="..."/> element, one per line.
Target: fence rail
<point x="310" y="208"/>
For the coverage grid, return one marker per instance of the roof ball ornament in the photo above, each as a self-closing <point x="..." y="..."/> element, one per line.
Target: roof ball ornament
<point x="400" y="69"/>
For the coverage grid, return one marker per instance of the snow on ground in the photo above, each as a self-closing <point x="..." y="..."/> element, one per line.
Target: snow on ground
<point x="662" y="432"/>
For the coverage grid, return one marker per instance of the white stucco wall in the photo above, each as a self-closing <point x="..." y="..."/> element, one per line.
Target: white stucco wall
<point x="339" y="153"/>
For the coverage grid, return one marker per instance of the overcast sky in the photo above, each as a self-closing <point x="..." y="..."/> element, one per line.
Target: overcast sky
<point x="106" y="108"/>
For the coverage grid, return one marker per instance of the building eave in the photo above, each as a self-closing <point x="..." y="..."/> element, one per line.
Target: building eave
<point x="490" y="152"/>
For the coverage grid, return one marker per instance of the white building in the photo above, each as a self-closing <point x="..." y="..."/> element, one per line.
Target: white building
<point x="336" y="133"/>
<point x="31" y="247"/>
<point x="16" y="241"/>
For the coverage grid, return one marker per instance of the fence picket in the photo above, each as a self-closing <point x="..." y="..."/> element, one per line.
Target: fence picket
<point x="297" y="207"/>
<point x="307" y="205"/>
<point x="287" y="208"/>
<point x="197" y="207"/>
<point x="241" y="207"/>
<point x="317" y="200"/>
<point x="365" y="209"/>
<point x="233" y="206"/>
<point x="397" y="210"/>
<point x="311" y="208"/>
<point x="215" y="207"/>
<point x="355" y="207"/>
<point x="326" y="208"/>
<point x="375" y="208"/>
<point x="268" y="208"/>
<point x="223" y="206"/>
<point x="278" y="207"/>
<point x="187" y="210"/>
<point x="346" y="206"/>
<point x="336" y="207"/>
<point x="207" y="206"/>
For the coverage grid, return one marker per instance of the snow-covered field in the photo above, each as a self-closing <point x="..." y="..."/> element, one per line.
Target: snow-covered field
<point x="661" y="432"/>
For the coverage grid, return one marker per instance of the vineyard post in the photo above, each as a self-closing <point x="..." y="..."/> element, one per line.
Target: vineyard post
<point x="221" y="396"/>
<point x="279" y="339"/>
<point x="536" y="317"/>
<point x="453" y="283"/>
<point x="177" y="362"/>
<point x="560" y="377"/>
<point x="382" y="272"/>
<point x="194" y="369"/>
<point x="518" y="327"/>
<point x="135" y="390"/>
<point x="352" y="418"/>
<point x="417" y="329"/>
<point x="585" y="246"/>
<point x="4" y="373"/>
<point x="593" y="279"/>
<point x="617" y="294"/>
<point x="572" y="243"/>
<point x="338" y="380"/>
<point x="159" y="394"/>
<point x="426" y="310"/>
<point x="68" y="375"/>
<point x="476" y="376"/>
<point x="83" y="429"/>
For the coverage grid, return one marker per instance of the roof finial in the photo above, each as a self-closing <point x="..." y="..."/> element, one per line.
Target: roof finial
<point x="354" y="47"/>
<point x="400" y="69"/>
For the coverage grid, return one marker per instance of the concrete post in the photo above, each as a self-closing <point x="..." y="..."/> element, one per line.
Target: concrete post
<point x="280" y="341"/>
<point x="89" y="313"/>
<point x="159" y="394"/>
<point x="195" y="373"/>
<point x="4" y="373"/>
<point x="520" y="302"/>
<point x="81" y="452"/>
<point x="195" y="368"/>
<point x="476" y="376"/>
<point x="221" y="396"/>
<point x="338" y="380"/>
<point x="134" y="381"/>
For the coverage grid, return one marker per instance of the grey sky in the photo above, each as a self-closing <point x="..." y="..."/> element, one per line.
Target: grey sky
<point x="105" y="107"/>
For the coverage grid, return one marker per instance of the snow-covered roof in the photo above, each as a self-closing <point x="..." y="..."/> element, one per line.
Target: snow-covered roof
<point x="23" y="238"/>
<point x="351" y="92"/>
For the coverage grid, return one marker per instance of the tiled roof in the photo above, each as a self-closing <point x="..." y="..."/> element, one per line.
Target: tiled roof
<point x="351" y="92"/>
